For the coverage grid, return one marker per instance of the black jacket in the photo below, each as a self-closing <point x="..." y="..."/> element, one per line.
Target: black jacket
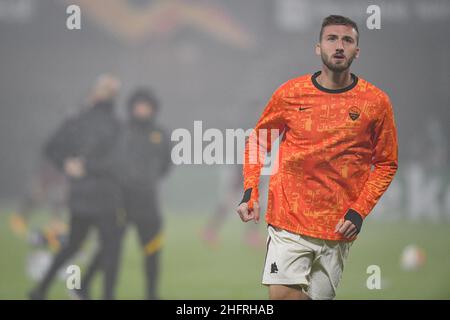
<point x="144" y="152"/>
<point x="91" y="135"/>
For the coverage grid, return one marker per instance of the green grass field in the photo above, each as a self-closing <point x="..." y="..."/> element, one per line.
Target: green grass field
<point x="191" y="270"/>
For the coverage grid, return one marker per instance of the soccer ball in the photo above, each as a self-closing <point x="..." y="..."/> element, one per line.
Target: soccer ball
<point x="38" y="263"/>
<point x="412" y="258"/>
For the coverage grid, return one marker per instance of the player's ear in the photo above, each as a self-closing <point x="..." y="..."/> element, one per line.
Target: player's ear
<point x="318" y="49"/>
<point x="357" y="53"/>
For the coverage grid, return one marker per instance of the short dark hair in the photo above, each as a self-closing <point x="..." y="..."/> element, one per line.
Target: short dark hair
<point x="340" y="21"/>
<point x="143" y="95"/>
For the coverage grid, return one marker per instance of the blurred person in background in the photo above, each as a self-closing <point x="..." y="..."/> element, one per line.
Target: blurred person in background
<point x="426" y="173"/>
<point x="229" y="184"/>
<point x="229" y="189"/>
<point x="144" y="152"/>
<point x="142" y="158"/>
<point x="80" y="148"/>
<point x="46" y="190"/>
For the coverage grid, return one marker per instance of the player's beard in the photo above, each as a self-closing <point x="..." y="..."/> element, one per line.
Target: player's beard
<point x="327" y="60"/>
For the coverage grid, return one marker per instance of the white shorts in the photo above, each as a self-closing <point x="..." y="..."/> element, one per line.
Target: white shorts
<point x="315" y="265"/>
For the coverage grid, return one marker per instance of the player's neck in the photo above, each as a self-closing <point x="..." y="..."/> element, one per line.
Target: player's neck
<point x="334" y="80"/>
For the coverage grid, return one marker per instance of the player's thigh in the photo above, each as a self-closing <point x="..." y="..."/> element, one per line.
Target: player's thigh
<point x="79" y="227"/>
<point x="327" y="270"/>
<point x="287" y="292"/>
<point x="110" y="234"/>
<point x="288" y="262"/>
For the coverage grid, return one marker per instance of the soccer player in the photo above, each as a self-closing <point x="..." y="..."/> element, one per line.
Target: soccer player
<point x="337" y="156"/>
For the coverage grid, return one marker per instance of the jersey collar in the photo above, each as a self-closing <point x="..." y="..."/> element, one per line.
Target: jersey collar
<point x="319" y="87"/>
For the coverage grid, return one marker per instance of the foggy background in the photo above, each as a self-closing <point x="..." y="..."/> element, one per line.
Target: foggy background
<point x="219" y="61"/>
<point x="220" y="68"/>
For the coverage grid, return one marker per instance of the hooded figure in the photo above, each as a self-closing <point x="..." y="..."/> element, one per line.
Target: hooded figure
<point x="144" y="150"/>
<point x="144" y="147"/>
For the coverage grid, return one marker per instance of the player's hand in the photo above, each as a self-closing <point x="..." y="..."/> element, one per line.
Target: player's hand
<point x="346" y="228"/>
<point x="248" y="215"/>
<point x="74" y="167"/>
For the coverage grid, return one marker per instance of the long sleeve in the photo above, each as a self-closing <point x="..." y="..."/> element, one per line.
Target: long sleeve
<point x="384" y="161"/>
<point x="60" y="145"/>
<point x="166" y="156"/>
<point x="259" y="143"/>
<point x="100" y="154"/>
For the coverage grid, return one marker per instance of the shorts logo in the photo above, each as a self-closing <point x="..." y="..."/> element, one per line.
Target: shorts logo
<point x="273" y="268"/>
<point x="354" y="113"/>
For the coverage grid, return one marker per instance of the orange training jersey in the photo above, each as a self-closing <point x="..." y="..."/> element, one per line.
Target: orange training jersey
<point x="338" y="153"/>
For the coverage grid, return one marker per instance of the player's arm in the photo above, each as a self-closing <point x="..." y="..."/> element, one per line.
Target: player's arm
<point x="166" y="154"/>
<point x="256" y="148"/>
<point x="59" y="146"/>
<point x="385" y="163"/>
<point x="64" y="150"/>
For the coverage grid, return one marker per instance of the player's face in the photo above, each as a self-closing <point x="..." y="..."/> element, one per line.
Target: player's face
<point x="142" y="110"/>
<point x="107" y="87"/>
<point x="338" y="47"/>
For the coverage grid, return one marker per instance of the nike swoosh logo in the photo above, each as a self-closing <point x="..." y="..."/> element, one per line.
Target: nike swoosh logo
<point x="304" y="108"/>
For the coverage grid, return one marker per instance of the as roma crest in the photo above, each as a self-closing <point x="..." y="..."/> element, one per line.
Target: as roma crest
<point x="354" y="113"/>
